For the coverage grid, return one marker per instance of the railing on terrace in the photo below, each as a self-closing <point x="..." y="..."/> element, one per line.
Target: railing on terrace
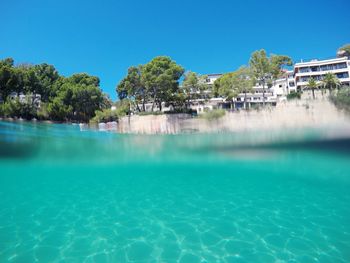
<point x="307" y="60"/>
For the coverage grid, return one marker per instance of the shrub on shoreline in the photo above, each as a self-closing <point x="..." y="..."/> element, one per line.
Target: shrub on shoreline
<point x="294" y="95"/>
<point x="176" y="111"/>
<point x="341" y="99"/>
<point x="214" y="114"/>
<point x="105" y="116"/>
<point x="146" y="113"/>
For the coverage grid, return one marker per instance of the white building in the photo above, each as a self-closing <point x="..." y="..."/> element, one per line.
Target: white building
<point x="291" y="81"/>
<point x="204" y="105"/>
<point x="303" y="71"/>
<point x="212" y="77"/>
<point x="278" y="89"/>
<point x="259" y="96"/>
<point x="35" y="99"/>
<point x="269" y="95"/>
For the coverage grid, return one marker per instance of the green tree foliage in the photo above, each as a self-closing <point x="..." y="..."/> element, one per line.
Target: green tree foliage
<point x="261" y="70"/>
<point x="106" y="101"/>
<point x="330" y="81"/>
<point x="161" y="78"/>
<point x="214" y="114"/>
<point x="243" y="82"/>
<point x="312" y="84"/>
<point x="190" y="86"/>
<point x="10" y="78"/>
<point x="231" y="84"/>
<point x="193" y="87"/>
<point x="7" y="62"/>
<point x="78" y="97"/>
<point x="277" y="62"/>
<point x="156" y="82"/>
<point x="47" y="76"/>
<point x="294" y="95"/>
<point x="344" y="51"/>
<point x="106" y="115"/>
<point x="12" y="108"/>
<point x="27" y="78"/>
<point x="73" y="98"/>
<point x="267" y="69"/>
<point x="133" y="88"/>
<point x="223" y="86"/>
<point x="15" y="108"/>
<point x="342" y="98"/>
<point x="84" y="79"/>
<point x="58" y="110"/>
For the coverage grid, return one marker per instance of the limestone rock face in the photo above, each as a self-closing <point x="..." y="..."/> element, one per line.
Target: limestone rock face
<point x="295" y="114"/>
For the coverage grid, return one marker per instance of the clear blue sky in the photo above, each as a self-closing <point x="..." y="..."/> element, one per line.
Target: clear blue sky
<point x="104" y="38"/>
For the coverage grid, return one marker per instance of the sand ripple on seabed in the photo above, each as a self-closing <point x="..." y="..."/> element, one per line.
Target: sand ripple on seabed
<point x="209" y="223"/>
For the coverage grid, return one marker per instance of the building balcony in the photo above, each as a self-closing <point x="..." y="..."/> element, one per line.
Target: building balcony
<point x="316" y="73"/>
<point x="305" y="83"/>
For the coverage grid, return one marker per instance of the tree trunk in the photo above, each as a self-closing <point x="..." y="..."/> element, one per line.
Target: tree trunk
<point x="143" y="105"/>
<point x="313" y="93"/>
<point x="137" y="107"/>
<point x="263" y="94"/>
<point x="154" y="101"/>
<point x="245" y="99"/>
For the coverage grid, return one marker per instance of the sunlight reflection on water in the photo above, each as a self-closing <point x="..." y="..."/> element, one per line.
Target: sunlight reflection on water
<point x="72" y="196"/>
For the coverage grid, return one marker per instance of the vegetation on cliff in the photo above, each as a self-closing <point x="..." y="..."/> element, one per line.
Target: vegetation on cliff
<point x="341" y="99"/>
<point x="38" y="91"/>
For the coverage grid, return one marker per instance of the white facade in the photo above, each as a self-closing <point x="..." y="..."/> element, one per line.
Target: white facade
<point x="202" y="105"/>
<point x="284" y="85"/>
<point x="277" y="91"/>
<point x="35" y="99"/>
<point x="212" y="77"/>
<point x="318" y="68"/>
<point x="290" y="81"/>
<point x="259" y="96"/>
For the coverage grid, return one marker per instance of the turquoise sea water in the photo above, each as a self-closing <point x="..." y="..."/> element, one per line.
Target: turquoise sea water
<point x="85" y="196"/>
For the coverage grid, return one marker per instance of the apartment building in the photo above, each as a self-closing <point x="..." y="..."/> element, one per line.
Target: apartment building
<point x="259" y="95"/>
<point x="290" y="81"/>
<point x="316" y="69"/>
<point x="212" y="77"/>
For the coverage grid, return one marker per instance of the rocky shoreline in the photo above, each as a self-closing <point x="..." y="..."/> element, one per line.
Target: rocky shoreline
<point x="289" y="115"/>
<point x="298" y="114"/>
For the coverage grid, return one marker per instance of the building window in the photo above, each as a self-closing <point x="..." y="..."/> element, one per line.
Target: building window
<point x="339" y="66"/>
<point x="343" y="75"/>
<point x="324" y="67"/>
<point x="304" y="79"/>
<point x="303" y="70"/>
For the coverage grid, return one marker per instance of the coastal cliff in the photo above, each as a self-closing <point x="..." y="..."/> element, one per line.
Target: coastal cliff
<point x="296" y="114"/>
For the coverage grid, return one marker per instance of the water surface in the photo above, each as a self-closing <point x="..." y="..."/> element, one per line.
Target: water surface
<point x="68" y="195"/>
